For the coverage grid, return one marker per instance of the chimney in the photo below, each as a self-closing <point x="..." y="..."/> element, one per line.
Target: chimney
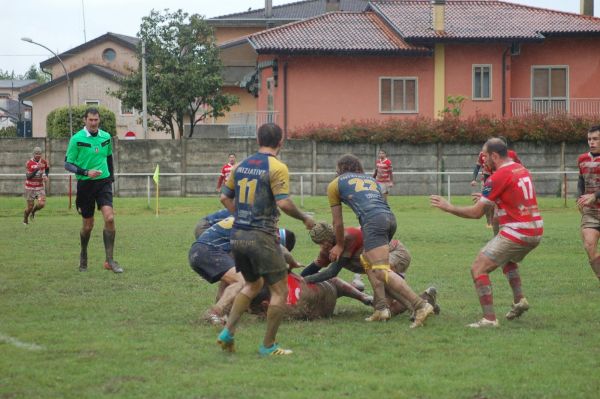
<point x="332" y="5"/>
<point x="439" y="14"/>
<point x="268" y="8"/>
<point x="587" y="7"/>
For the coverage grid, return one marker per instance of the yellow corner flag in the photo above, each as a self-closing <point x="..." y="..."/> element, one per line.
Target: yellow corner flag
<point x="156" y="179"/>
<point x="156" y="174"/>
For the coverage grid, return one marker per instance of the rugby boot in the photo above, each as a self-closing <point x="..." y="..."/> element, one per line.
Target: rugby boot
<point x="273" y="350"/>
<point x="484" y="323"/>
<point x="82" y="263"/>
<point x="430" y="295"/>
<point x="226" y="341"/>
<point x="113" y="265"/>
<point x="421" y="314"/>
<point x="358" y="283"/>
<point x="380" y="315"/>
<point x="517" y="309"/>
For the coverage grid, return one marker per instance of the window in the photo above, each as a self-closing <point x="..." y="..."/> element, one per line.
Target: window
<point x="398" y="95"/>
<point x="92" y="103"/>
<point x="126" y="110"/>
<point x="109" y="55"/>
<point x="549" y="88"/>
<point x="482" y="82"/>
<point x="270" y="94"/>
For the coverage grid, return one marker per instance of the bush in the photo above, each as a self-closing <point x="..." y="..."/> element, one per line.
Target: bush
<point x="10" y="131"/>
<point x="57" y="122"/>
<point x="451" y="129"/>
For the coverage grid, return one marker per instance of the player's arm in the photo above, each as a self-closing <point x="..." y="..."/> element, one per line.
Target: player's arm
<point x="228" y="191"/>
<point x="29" y="171"/>
<point x="585" y="199"/>
<point x="70" y="167"/>
<point x="330" y="271"/>
<point x="337" y="220"/>
<point x="475" y="211"/>
<point x="475" y="173"/>
<point x="111" y="168"/>
<point x="375" y="173"/>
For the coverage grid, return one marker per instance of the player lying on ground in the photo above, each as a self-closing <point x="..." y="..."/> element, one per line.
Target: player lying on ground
<point x="320" y="270"/>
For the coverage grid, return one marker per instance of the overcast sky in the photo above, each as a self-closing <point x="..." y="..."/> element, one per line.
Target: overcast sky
<point x="58" y="24"/>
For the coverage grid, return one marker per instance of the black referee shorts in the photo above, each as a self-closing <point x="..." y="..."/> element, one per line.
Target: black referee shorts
<point x="90" y="192"/>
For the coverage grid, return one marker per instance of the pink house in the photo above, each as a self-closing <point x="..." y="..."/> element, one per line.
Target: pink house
<point x="404" y="58"/>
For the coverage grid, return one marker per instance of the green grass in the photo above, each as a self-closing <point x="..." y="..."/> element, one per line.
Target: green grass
<point x="138" y="335"/>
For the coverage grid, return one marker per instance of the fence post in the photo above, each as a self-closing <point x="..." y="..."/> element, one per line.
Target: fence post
<point x="439" y="154"/>
<point x="313" y="183"/>
<point x="148" y="189"/>
<point x="562" y="168"/>
<point x="448" y="185"/>
<point x="183" y="166"/>
<point x="302" y="191"/>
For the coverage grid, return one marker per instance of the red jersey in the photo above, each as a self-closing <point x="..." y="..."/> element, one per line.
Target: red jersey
<point x="511" y="189"/>
<point x="589" y="169"/>
<point x="225" y="172"/>
<point x="384" y="171"/>
<point x="39" y="167"/>
<point x="353" y="246"/>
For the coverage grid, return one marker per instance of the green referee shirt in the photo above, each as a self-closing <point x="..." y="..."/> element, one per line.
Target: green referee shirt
<point x="89" y="152"/>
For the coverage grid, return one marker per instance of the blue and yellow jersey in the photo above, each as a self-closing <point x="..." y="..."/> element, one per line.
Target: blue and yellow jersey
<point x="217" y="216"/>
<point x="360" y="192"/>
<point x="218" y="235"/>
<point x="256" y="184"/>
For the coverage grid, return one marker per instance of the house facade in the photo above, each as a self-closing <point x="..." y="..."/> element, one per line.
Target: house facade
<point x="404" y="59"/>
<point x="94" y="69"/>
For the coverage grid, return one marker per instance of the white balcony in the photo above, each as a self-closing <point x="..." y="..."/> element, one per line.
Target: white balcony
<point x="555" y="106"/>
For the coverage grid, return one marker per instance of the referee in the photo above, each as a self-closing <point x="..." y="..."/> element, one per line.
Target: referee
<point x="89" y="156"/>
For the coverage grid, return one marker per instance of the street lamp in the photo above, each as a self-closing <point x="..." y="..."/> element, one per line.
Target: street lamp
<point x="29" y="40"/>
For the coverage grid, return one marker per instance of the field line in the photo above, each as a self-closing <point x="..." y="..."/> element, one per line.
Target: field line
<point x="21" y="345"/>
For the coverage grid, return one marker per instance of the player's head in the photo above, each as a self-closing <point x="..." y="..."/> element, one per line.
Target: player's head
<point x="497" y="147"/>
<point x="382" y="154"/>
<point x="37" y="153"/>
<point x="287" y="238"/>
<point x="322" y="233"/>
<point x="594" y="138"/>
<point x="91" y="118"/>
<point x="232" y="158"/>
<point x="269" y="135"/>
<point x="349" y="163"/>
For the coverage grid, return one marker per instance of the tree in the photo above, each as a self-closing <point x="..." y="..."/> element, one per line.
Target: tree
<point x="57" y="121"/>
<point x="183" y="72"/>
<point x="35" y="73"/>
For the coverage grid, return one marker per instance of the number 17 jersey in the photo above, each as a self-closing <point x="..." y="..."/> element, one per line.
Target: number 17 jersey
<point x="256" y="185"/>
<point x="511" y="188"/>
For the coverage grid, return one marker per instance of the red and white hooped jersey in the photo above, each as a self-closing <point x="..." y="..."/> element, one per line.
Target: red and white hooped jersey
<point x="39" y="167"/>
<point x="511" y="188"/>
<point x="384" y="171"/>
<point x="589" y="169"/>
<point x="485" y="170"/>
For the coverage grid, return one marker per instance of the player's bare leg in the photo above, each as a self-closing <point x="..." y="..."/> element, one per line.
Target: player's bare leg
<point x="40" y="204"/>
<point x="84" y="237"/>
<point x="590" y="239"/>
<point x="27" y="212"/>
<point x="348" y="290"/>
<point x="108" y="235"/>
<point x="233" y="282"/>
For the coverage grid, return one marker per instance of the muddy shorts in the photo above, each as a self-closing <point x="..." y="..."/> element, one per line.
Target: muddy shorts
<point x="378" y="230"/>
<point x="31" y="194"/>
<point x="258" y="254"/>
<point x="502" y="250"/>
<point x="209" y="262"/>
<point x="590" y="219"/>
<point x="385" y="187"/>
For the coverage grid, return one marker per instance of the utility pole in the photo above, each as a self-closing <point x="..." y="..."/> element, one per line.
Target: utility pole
<point x="144" y="98"/>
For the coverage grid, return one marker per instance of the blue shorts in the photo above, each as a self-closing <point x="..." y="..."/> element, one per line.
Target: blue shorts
<point x="378" y="230"/>
<point x="209" y="262"/>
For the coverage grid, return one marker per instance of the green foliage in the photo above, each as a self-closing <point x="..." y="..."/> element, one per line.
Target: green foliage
<point x="34" y="72"/>
<point x="10" y="131"/>
<point x="183" y="72"/>
<point x="475" y="129"/>
<point x="57" y="121"/>
<point x="454" y="107"/>
<point x="139" y="334"/>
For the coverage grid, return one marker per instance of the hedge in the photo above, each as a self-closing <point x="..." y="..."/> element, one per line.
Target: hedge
<point x="10" y="131"/>
<point x="471" y="130"/>
<point x="57" y="121"/>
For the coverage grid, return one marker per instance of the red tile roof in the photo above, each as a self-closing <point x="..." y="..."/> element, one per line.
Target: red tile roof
<point x="335" y="33"/>
<point x="481" y="20"/>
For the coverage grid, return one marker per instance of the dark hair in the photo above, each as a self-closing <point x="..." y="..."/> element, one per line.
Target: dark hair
<point x="231" y="153"/>
<point x="593" y="129"/>
<point x="382" y="150"/>
<point x="349" y="163"/>
<point x="498" y="146"/>
<point x="287" y="238"/>
<point x="269" y="135"/>
<point x="91" y="110"/>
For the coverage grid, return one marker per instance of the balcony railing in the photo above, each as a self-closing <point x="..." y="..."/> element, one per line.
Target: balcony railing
<point x="244" y="124"/>
<point x="555" y="106"/>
